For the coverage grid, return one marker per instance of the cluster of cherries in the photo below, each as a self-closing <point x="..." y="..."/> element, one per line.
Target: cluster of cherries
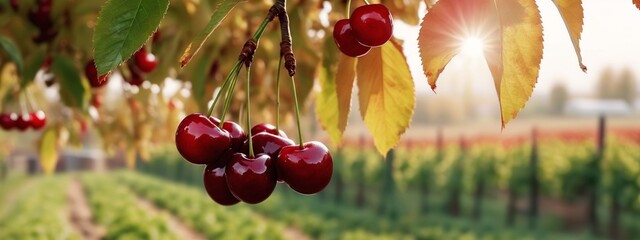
<point x="143" y="62"/>
<point x="233" y="175"/>
<point x="369" y="26"/>
<point x="22" y="122"/>
<point x="41" y="18"/>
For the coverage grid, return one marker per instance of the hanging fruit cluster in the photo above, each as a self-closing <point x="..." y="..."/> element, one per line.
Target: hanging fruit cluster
<point x="246" y="167"/>
<point x="368" y="27"/>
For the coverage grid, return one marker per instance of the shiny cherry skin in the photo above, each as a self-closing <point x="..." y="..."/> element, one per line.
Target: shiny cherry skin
<point x="23" y="122"/>
<point x="8" y="120"/>
<point x="372" y="24"/>
<point x="38" y="120"/>
<point x="252" y="180"/>
<point x="237" y="134"/>
<point x="91" y="72"/>
<point x="200" y="141"/>
<point x="346" y="41"/>
<point x="306" y="170"/>
<point x="145" y="61"/>
<point x="267" y="143"/>
<point x="215" y="181"/>
<point x="269" y="128"/>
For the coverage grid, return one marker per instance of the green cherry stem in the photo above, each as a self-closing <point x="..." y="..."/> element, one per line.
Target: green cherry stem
<point x="224" y="87"/>
<point x="295" y="100"/>
<point x="248" y="108"/>
<point x="367" y="2"/>
<point x="229" y="96"/>
<point x="348" y="9"/>
<point x="278" y="95"/>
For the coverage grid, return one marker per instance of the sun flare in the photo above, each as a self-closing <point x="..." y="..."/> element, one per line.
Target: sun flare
<point x="472" y="46"/>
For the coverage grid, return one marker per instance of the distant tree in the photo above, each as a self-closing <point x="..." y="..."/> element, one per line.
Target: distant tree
<point x="606" y="85"/>
<point x="626" y="87"/>
<point x="559" y="98"/>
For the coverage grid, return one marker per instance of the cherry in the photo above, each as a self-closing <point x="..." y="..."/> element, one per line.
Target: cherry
<point x="23" y="122"/>
<point x="269" y="128"/>
<point x="96" y="100"/>
<point x="268" y="143"/>
<point x="306" y="170"/>
<point x="8" y="120"/>
<point x="372" y="24"/>
<point x="38" y="120"/>
<point x="237" y="134"/>
<point x="346" y="41"/>
<point x="136" y="79"/>
<point x="251" y="180"/>
<point x="215" y="182"/>
<point x="91" y="72"/>
<point x="200" y="141"/>
<point x="145" y="61"/>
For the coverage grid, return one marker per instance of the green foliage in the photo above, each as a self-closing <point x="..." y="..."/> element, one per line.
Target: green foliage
<point x="38" y="212"/>
<point x="193" y="206"/>
<point x="115" y="207"/>
<point x="73" y="89"/>
<point x="10" y="48"/>
<point x="122" y="27"/>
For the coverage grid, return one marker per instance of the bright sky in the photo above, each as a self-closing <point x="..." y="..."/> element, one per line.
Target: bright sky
<point x="611" y="37"/>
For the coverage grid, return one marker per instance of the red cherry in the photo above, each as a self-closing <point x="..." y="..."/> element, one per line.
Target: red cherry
<point x="237" y="134"/>
<point x="23" y="122"/>
<point x="92" y="74"/>
<point x="136" y="79"/>
<point x="346" y="41"/>
<point x="8" y="120"/>
<point x="265" y="127"/>
<point x="15" y="4"/>
<point x="306" y="170"/>
<point x="267" y="143"/>
<point x="216" y="184"/>
<point x="252" y="180"/>
<point x="200" y="141"/>
<point x="96" y="100"/>
<point x="38" y="119"/>
<point x="145" y="61"/>
<point x="372" y="24"/>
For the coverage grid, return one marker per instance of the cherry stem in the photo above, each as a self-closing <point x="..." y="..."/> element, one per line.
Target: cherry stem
<point x="295" y="100"/>
<point x="224" y="87"/>
<point x="248" y="108"/>
<point x="278" y="95"/>
<point x="348" y="9"/>
<point x="367" y="2"/>
<point x="229" y="95"/>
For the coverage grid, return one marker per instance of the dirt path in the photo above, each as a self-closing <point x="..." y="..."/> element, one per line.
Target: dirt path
<point x="292" y="233"/>
<point x="176" y="225"/>
<point x="80" y="213"/>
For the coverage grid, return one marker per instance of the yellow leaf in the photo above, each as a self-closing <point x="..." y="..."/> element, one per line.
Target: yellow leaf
<point x="521" y="54"/>
<point x="572" y="13"/>
<point x="387" y="94"/>
<point x="512" y="34"/>
<point x="130" y="157"/>
<point x="49" y="151"/>
<point x="333" y="104"/>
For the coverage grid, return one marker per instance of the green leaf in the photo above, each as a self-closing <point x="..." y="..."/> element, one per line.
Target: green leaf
<point x="14" y="53"/>
<point x="216" y="18"/>
<point x="72" y="88"/>
<point x="32" y="67"/>
<point x="123" y="26"/>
